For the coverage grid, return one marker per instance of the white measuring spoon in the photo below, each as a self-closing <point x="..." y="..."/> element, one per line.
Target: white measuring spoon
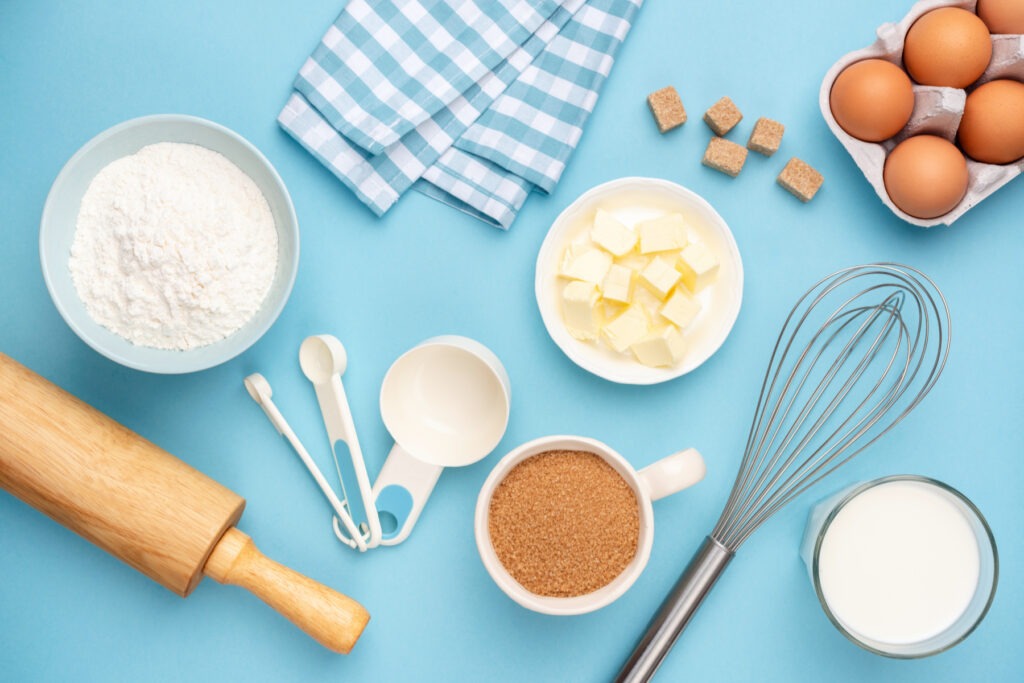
<point x="446" y="403"/>
<point x="260" y="391"/>
<point x="323" y="360"/>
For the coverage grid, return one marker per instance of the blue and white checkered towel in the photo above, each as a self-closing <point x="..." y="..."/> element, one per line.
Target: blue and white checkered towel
<point x="473" y="102"/>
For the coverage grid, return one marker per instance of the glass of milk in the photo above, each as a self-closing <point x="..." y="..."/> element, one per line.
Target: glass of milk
<point x="904" y="566"/>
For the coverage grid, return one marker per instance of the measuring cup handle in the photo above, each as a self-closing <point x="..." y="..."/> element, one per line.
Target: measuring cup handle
<point x="673" y="473"/>
<point x="400" y="492"/>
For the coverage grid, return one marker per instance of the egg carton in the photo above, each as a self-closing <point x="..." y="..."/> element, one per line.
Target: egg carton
<point x="937" y="111"/>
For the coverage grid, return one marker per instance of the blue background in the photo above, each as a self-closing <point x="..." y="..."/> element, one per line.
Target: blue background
<point x="68" y="611"/>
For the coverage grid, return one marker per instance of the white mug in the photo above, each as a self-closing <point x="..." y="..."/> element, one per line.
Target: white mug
<point x="662" y="478"/>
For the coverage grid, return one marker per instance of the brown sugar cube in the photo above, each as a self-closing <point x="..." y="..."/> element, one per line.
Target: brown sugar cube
<point x="722" y="116"/>
<point x="667" y="109"/>
<point x="766" y="136"/>
<point x="725" y="156"/>
<point x="800" y="179"/>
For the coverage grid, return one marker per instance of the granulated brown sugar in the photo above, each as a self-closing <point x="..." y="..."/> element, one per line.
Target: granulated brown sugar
<point x="564" y="523"/>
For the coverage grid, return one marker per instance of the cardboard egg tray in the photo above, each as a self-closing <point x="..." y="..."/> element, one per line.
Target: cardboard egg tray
<point x="937" y="111"/>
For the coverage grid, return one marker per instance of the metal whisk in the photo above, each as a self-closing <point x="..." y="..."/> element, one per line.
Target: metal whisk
<point x="857" y="353"/>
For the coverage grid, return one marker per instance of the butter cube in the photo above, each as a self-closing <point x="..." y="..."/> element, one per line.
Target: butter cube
<point x="612" y="309"/>
<point x="579" y="310"/>
<point x="634" y="261"/>
<point x="618" y="284"/>
<point x="643" y="296"/>
<point x="627" y="329"/>
<point x="647" y="300"/>
<point x="571" y="253"/>
<point x="660" y="349"/>
<point x="698" y="266"/>
<point x="665" y="233"/>
<point x="611" y="235"/>
<point x="584" y="262"/>
<point x="680" y="309"/>
<point x="661" y="276"/>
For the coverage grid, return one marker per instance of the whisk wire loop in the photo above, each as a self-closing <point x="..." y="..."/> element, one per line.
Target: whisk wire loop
<point x="831" y="384"/>
<point x="791" y="469"/>
<point x="773" y="471"/>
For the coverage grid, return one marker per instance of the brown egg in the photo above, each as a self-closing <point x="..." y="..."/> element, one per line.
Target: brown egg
<point x="872" y="100"/>
<point x="1002" y="16"/>
<point x="992" y="128"/>
<point x="947" y="46"/>
<point x="925" y="176"/>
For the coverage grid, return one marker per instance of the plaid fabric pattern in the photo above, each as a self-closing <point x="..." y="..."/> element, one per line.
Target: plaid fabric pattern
<point x="370" y="106"/>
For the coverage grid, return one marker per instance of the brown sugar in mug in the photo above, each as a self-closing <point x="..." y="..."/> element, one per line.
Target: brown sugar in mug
<point x="571" y="530"/>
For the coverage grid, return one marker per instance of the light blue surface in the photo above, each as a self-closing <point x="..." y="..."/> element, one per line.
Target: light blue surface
<point x="57" y="233"/>
<point x="69" y="612"/>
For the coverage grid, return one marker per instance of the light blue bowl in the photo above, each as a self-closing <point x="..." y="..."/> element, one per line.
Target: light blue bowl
<point x="60" y="213"/>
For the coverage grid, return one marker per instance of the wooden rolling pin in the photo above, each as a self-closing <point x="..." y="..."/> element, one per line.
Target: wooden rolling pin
<point x="146" y="507"/>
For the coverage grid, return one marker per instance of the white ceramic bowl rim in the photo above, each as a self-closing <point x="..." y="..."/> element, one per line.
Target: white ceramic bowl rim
<point x="274" y="305"/>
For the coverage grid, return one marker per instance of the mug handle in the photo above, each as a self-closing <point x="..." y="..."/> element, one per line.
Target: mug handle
<point x="673" y="473"/>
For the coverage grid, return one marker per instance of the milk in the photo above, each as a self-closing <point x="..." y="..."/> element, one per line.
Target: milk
<point x="899" y="563"/>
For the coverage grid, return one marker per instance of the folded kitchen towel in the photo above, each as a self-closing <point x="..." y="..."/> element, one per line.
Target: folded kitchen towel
<point x="476" y="102"/>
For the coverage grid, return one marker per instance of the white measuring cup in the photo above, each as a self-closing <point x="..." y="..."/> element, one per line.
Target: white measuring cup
<point x="446" y="403"/>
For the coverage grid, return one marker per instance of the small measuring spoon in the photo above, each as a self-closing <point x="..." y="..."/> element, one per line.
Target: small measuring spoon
<point x="323" y="360"/>
<point x="260" y="391"/>
<point x="446" y="403"/>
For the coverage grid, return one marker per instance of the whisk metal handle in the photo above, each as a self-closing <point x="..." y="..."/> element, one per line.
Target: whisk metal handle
<point x="676" y="611"/>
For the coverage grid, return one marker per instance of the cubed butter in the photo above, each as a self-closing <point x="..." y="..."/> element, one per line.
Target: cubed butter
<point x="580" y="311"/>
<point x="611" y="309"/>
<point x="611" y="235"/>
<point x="698" y="266"/>
<point x="627" y="329"/>
<point x="634" y="261"/>
<point x="665" y="233"/>
<point x="618" y="284"/>
<point x="680" y="309"/>
<point x="586" y="263"/>
<point x="571" y="253"/>
<point x="662" y="348"/>
<point x="649" y="301"/>
<point x="660" y="276"/>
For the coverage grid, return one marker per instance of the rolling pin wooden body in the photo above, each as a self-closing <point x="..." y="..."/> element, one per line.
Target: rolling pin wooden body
<point x="146" y="507"/>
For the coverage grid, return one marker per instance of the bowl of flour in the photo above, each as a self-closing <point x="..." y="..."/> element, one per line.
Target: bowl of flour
<point x="169" y="244"/>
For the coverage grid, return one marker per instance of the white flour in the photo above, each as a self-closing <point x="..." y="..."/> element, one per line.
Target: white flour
<point x="175" y="247"/>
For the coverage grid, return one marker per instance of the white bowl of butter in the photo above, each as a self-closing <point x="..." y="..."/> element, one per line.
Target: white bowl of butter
<point x="639" y="281"/>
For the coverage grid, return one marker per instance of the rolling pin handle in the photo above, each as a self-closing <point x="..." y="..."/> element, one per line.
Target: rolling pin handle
<point x="332" y="619"/>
